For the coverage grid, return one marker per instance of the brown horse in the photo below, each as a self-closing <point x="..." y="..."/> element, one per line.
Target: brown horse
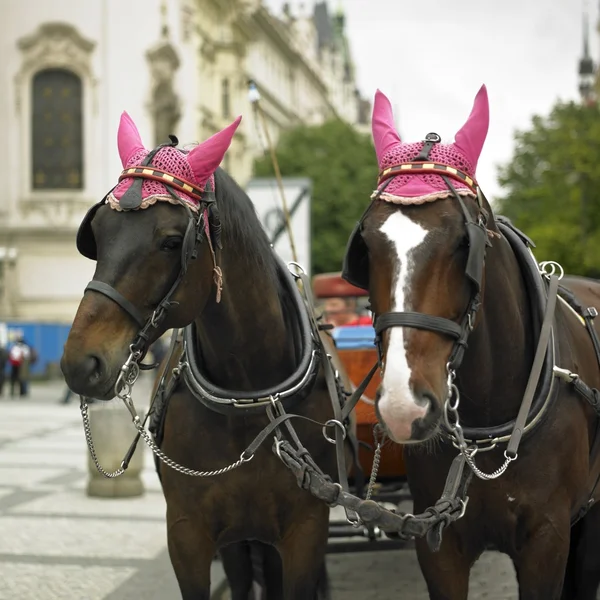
<point x="478" y="356"/>
<point x="178" y="244"/>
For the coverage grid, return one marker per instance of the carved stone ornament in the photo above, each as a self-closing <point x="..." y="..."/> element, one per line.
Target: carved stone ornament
<point x="165" y="104"/>
<point x="54" y="45"/>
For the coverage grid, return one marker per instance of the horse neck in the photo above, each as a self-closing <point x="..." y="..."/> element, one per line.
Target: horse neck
<point x="494" y="373"/>
<point x="243" y="339"/>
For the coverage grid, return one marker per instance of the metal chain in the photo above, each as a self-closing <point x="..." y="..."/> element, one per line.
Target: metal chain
<point x="376" y="461"/>
<point x="90" y="443"/>
<point x="180" y="468"/>
<point x="469" y="452"/>
<point x="130" y="372"/>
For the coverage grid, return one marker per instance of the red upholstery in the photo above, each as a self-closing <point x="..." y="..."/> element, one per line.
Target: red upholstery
<point x="331" y="285"/>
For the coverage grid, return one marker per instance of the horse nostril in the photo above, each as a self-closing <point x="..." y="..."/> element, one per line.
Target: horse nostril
<point x="91" y="369"/>
<point x="424" y="399"/>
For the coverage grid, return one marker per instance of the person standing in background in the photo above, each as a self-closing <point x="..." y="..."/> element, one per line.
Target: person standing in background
<point x="30" y="360"/>
<point x="342" y="312"/>
<point x="19" y="358"/>
<point x="3" y="361"/>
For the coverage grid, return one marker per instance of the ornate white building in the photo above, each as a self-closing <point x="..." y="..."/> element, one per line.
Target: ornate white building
<point x="71" y="67"/>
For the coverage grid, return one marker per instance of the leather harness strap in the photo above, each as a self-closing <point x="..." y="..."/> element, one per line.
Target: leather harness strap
<point x="110" y="292"/>
<point x="536" y="369"/>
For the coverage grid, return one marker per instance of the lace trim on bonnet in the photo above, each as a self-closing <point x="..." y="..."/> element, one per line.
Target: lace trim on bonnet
<point x="420" y="199"/>
<point x="150" y="201"/>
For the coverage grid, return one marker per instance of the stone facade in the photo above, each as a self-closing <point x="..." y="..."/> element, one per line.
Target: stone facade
<point x="182" y="67"/>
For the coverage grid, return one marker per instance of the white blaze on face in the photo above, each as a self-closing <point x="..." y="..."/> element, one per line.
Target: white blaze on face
<point x="397" y="406"/>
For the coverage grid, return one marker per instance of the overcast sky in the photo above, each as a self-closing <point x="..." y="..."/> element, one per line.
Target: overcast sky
<point x="430" y="58"/>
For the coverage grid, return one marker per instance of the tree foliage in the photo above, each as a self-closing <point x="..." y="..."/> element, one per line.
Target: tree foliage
<point x="553" y="183"/>
<point x="341" y="163"/>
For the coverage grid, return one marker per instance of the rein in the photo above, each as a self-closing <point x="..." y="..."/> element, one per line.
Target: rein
<point x="309" y="476"/>
<point x="359" y="512"/>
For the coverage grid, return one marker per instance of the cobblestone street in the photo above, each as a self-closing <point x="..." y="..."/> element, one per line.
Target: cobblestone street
<point x="57" y="543"/>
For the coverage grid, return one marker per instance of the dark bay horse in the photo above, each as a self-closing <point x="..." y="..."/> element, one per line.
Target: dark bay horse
<point x="483" y="356"/>
<point x="178" y="244"/>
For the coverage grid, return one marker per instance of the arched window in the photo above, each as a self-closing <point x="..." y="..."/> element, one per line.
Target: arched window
<point x="56" y="130"/>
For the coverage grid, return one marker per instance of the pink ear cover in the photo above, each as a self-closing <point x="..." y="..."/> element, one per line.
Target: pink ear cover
<point x="129" y="141"/>
<point x="463" y="154"/>
<point x="196" y="166"/>
<point x="207" y="156"/>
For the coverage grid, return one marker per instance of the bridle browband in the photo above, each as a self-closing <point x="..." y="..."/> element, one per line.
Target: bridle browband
<point x="165" y="178"/>
<point x="421" y="167"/>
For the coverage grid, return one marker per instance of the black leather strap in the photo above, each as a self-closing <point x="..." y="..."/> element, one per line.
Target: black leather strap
<point x="340" y="435"/>
<point x="537" y="294"/>
<point x="110" y="292"/>
<point x="446" y="510"/>
<point x="536" y="369"/>
<point x="457" y="483"/>
<point x="589" y="315"/>
<point x="358" y="392"/>
<point x="429" y="141"/>
<point x="418" y="321"/>
<point x="236" y="401"/>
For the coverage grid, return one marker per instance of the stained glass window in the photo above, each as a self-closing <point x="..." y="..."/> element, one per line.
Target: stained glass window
<point x="57" y="130"/>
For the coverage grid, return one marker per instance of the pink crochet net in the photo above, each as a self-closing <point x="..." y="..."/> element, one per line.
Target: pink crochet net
<point x="414" y="188"/>
<point x="167" y="159"/>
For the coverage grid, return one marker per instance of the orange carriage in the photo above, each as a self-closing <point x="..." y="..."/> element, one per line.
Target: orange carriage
<point x="358" y="354"/>
<point x="357" y="351"/>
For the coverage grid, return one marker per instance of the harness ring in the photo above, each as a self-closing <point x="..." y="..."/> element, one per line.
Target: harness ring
<point x="337" y="423"/>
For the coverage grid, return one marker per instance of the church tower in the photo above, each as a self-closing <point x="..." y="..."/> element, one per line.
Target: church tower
<point x="587" y="69"/>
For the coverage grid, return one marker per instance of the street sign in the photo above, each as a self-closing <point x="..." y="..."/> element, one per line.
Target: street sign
<point x="264" y="193"/>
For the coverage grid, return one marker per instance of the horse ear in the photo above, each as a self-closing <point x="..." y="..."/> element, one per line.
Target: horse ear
<point x="207" y="156"/>
<point x="128" y="139"/>
<point x="471" y="137"/>
<point x="382" y="123"/>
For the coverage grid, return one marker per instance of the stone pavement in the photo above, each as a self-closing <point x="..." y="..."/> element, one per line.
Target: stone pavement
<point x="56" y="543"/>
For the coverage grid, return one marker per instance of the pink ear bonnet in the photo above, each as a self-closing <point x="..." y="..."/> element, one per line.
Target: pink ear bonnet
<point x="417" y="188"/>
<point x="190" y="171"/>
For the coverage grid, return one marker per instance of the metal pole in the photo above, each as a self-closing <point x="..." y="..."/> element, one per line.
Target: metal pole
<point x="254" y="96"/>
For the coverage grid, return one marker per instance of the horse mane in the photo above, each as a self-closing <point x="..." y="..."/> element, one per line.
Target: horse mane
<point x="241" y="228"/>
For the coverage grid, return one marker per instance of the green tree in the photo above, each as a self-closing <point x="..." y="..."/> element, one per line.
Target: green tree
<point x="341" y="163"/>
<point x="553" y="184"/>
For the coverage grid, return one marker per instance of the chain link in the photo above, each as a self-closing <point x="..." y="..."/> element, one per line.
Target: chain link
<point x="376" y="460"/>
<point x="180" y="468"/>
<point x="469" y="452"/>
<point x="129" y="374"/>
<point x="90" y="443"/>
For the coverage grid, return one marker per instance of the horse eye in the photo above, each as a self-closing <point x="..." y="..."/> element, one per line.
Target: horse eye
<point x="171" y="243"/>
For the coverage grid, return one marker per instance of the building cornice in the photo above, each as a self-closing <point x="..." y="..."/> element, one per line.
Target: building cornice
<point x="276" y="32"/>
<point x="271" y="101"/>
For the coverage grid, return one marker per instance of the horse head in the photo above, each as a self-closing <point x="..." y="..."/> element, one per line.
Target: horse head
<point x="419" y="250"/>
<point x="155" y="238"/>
